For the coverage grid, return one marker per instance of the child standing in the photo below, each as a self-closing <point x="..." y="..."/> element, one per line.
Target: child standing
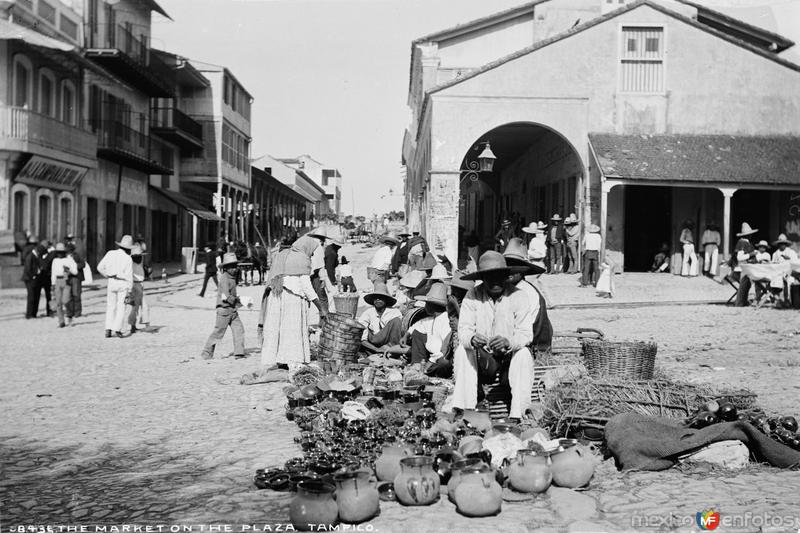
<point x="605" y="285"/>
<point x="345" y="274"/>
<point x="227" y="314"/>
<point x="762" y="255"/>
<point x="63" y="266"/>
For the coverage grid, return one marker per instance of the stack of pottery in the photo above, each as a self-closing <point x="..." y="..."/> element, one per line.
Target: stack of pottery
<point x="478" y="493"/>
<point x="356" y="496"/>
<point x="417" y="483"/>
<point x="572" y="465"/>
<point x="530" y="472"/>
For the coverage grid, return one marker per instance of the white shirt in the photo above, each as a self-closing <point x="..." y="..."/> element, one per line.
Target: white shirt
<point x="783" y="256"/>
<point x="374" y="323"/>
<point x="592" y="241"/>
<point x="318" y="259"/>
<point x="510" y="317"/>
<point x="300" y="286"/>
<point x="345" y="270"/>
<point x="537" y="248"/>
<point x="117" y="264"/>
<point x="763" y="257"/>
<point x="382" y="258"/>
<point x="533" y="297"/>
<point x="57" y="269"/>
<point x="436" y="329"/>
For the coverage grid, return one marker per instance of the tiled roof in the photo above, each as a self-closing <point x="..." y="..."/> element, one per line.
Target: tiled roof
<point x="737" y="159"/>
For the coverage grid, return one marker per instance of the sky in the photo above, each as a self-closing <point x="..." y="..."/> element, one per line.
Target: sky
<point x="329" y="78"/>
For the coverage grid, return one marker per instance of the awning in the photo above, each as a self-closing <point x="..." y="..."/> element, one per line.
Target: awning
<point x="190" y="205"/>
<point x="713" y="159"/>
<point x="11" y="31"/>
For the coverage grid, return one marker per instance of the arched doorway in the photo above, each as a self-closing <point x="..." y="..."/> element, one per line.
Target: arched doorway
<point x="537" y="174"/>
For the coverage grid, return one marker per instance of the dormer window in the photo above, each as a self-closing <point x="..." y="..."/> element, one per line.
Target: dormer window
<point x="642" y="59"/>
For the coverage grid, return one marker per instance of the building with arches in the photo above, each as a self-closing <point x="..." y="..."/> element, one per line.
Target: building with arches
<point x="634" y="115"/>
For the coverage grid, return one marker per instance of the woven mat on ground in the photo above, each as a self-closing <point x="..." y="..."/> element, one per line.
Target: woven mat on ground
<point x="269" y="377"/>
<point x="652" y="443"/>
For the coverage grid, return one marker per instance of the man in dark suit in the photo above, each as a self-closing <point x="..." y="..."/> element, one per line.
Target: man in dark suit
<point x="31" y="274"/>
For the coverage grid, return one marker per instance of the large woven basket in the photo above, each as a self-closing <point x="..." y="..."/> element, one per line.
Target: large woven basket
<point x="340" y="338"/>
<point x="629" y="359"/>
<point x="346" y="303"/>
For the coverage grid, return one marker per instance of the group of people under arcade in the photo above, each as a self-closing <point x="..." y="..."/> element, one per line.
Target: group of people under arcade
<point x="480" y="327"/>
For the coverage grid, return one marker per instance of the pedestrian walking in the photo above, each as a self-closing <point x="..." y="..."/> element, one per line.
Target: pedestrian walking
<point x="572" y="233"/>
<point x="345" y="274"/>
<point x="592" y="243"/>
<point x="135" y="300"/>
<point x="78" y="254"/>
<point x="689" y="266"/>
<point x="210" y="270"/>
<point x="227" y="310"/>
<point x="710" y="242"/>
<point x="31" y="270"/>
<point x="62" y="268"/>
<point x="117" y="267"/>
<point x="46" y="250"/>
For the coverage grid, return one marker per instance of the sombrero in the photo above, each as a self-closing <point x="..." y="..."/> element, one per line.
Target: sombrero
<point x="404" y="233"/>
<point x="459" y="281"/>
<point x="439" y="273"/>
<point x="571" y="220"/>
<point x="542" y="225"/>
<point x="126" y="242"/>
<point x="389" y="238"/>
<point x="532" y="228"/>
<point x="782" y="240"/>
<point x="412" y="279"/>
<point x="333" y="234"/>
<point x="491" y="262"/>
<point x="763" y="243"/>
<point x="594" y="228"/>
<point x="516" y="255"/>
<point x="505" y="222"/>
<point x="137" y="250"/>
<point x="429" y="262"/>
<point x="437" y="294"/>
<point x="229" y="259"/>
<point x="319" y="233"/>
<point x="746" y="230"/>
<point x="381" y="291"/>
<point x="556" y="217"/>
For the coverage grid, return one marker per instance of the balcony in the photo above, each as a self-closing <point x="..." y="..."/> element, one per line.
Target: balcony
<point x="126" y="146"/>
<point x="27" y="131"/>
<point x="129" y="58"/>
<point x="50" y="17"/>
<point x="176" y="127"/>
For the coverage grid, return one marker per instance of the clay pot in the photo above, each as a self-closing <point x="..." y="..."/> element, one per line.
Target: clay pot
<point x="455" y="475"/>
<point x="470" y="444"/>
<point x="572" y="467"/>
<point x="313" y="507"/>
<point x="478" y="493"/>
<point x="357" y="498"/>
<point x="443" y="460"/>
<point x="417" y="483"/>
<point x="388" y="464"/>
<point x="530" y="472"/>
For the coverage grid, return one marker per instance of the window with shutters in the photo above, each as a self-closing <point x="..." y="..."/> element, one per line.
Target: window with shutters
<point x="642" y="59"/>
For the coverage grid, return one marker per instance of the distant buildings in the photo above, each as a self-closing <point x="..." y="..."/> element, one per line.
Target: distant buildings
<point x="101" y="135"/>
<point x="634" y="115"/>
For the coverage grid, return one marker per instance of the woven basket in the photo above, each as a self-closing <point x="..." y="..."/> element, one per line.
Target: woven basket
<point x="340" y="338"/>
<point x="346" y="303"/>
<point x="633" y="359"/>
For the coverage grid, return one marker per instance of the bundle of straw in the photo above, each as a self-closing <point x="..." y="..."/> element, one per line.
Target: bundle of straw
<point x="595" y="400"/>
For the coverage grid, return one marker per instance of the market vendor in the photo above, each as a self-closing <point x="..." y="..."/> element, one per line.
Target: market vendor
<point x="495" y="326"/>
<point x="382" y="321"/>
<point x="516" y="255"/>
<point x="381" y="264"/>
<point x="409" y="287"/>
<point x="428" y="336"/>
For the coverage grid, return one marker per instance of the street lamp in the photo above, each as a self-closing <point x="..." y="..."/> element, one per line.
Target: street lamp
<point x="485" y="163"/>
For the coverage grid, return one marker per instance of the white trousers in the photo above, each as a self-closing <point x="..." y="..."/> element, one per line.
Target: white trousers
<point x="115" y="304"/>
<point x="689" y="267"/>
<point x="711" y="259"/>
<point x="520" y="377"/>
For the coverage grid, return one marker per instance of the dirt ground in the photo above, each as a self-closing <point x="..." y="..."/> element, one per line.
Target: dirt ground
<point x="141" y="430"/>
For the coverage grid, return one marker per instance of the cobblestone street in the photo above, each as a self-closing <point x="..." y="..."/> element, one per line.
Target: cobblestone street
<point x="142" y="430"/>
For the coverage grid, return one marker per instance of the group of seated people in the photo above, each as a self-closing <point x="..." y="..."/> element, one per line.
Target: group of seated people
<point x="481" y="327"/>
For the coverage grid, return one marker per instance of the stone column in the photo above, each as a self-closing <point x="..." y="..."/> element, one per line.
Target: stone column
<point x="605" y="189"/>
<point x="441" y="222"/>
<point x="727" y="194"/>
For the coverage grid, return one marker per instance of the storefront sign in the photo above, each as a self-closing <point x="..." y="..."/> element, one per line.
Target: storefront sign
<point x="43" y="172"/>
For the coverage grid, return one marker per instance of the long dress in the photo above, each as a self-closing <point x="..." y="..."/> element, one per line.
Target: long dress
<point x="286" y="323"/>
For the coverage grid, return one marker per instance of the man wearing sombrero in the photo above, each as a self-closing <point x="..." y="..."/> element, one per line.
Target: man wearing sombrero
<point x="227" y="310"/>
<point x="382" y="322"/>
<point x="495" y="329"/>
<point x="743" y="252"/>
<point x="516" y="256"/>
<point x="117" y="266"/>
<point x="417" y="249"/>
<point x="429" y="335"/>
<point x="555" y="244"/>
<point x="504" y="234"/>
<point x="381" y="264"/>
<point x="783" y="253"/>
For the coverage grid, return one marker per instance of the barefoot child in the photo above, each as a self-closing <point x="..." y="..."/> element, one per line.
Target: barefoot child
<point x="227" y="314"/>
<point x="605" y="285"/>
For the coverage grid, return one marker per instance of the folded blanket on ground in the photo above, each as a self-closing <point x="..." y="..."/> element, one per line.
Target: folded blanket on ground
<point x="651" y="443"/>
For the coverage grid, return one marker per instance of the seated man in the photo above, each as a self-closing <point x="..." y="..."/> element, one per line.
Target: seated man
<point x="661" y="260"/>
<point x="495" y="328"/>
<point x="428" y="336"/>
<point x="382" y="322"/>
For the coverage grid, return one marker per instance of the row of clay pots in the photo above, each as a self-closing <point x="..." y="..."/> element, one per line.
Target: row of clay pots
<point x="318" y="505"/>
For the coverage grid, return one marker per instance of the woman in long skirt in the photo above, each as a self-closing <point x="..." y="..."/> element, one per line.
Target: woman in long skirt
<point x="286" y="338"/>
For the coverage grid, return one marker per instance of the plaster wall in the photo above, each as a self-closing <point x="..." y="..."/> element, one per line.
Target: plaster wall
<point x="486" y="45"/>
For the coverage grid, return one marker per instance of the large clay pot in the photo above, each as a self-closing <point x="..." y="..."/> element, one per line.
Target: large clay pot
<point x="387" y="466"/>
<point x="455" y="475"/>
<point x="314" y="507"/>
<point x="357" y="498"/>
<point x="417" y="483"/>
<point x="572" y="467"/>
<point x="530" y="472"/>
<point x="443" y="460"/>
<point x="478" y="493"/>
